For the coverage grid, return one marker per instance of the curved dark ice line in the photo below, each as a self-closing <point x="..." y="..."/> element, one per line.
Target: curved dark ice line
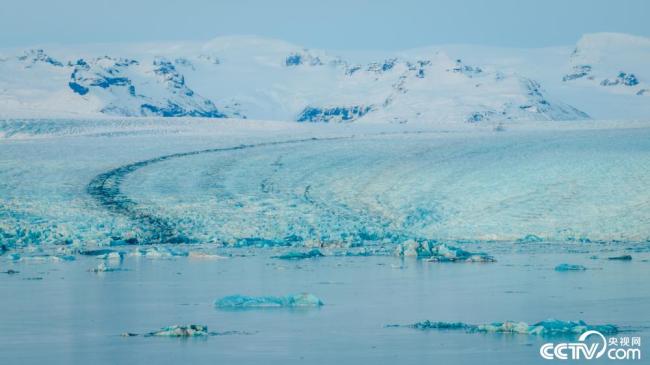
<point x="105" y="189"/>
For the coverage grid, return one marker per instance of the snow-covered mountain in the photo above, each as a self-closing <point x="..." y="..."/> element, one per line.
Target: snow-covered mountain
<point x="249" y="77"/>
<point x="616" y="62"/>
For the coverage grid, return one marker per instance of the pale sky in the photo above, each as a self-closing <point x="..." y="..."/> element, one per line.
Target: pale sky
<point x="331" y="24"/>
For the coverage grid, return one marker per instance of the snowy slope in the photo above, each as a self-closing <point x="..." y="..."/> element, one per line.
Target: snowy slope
<point x="616" y="62"/>
<point x="274" y="80"/>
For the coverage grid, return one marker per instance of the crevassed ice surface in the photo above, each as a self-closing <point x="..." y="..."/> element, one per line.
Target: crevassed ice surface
<point x="476" y="185"/>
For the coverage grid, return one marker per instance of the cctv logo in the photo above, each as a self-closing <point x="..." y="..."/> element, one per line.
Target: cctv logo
<point x="581" y="350"/>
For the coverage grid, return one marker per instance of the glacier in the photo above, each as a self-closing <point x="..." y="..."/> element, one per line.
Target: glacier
<point x="190" y="181"/>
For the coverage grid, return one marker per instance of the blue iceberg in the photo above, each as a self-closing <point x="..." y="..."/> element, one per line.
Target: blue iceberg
<point x="289" y="301"/>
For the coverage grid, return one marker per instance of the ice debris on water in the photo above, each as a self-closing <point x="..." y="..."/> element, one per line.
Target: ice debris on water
<point x="425" y="325"/>
<point x="298" y="255"/>
<point x="184" y="331"/>
<point x="243" y="301"/>
<point x="570" y="267"/>
<point x="191" y="330"/>
<point x="439" y="252"/>
<point x="549" y="327"/>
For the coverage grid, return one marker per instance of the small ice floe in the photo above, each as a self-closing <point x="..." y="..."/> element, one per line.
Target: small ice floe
<point x="40" y="258"/>
<point x="289" y="301"/>
<point x="298" y="255"/>
<point x="570" y="267"/>
<point x="621" y="258"/>
<point x="439" y="252"/>
<point x="549" y="327"/>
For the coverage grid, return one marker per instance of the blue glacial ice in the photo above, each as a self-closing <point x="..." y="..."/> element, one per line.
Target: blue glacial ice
<point x="570" y="267"/>
<point x="289" y="301"/>
<point x="335" y="191"/>
<point x="549" y="327"/>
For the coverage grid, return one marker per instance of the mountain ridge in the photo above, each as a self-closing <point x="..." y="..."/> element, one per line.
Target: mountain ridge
<point x="252" y="77"/>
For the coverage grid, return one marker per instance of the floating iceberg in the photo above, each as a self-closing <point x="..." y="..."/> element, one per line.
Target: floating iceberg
<point x="549" y="327"/>
<point x="439" y="252"/>
<point x="290" y="301"/>
<point x="570" y="267"/>
<point x="41" y="258"/>
<point x="297" y="255"/>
